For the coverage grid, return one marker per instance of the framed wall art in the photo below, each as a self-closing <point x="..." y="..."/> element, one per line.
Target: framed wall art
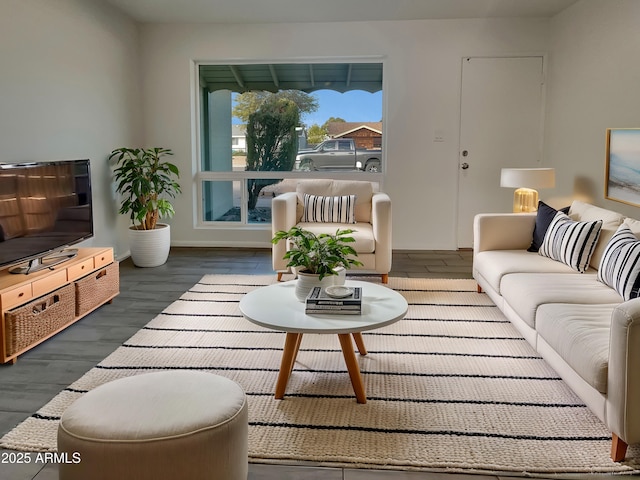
<point x="622" y="176"/>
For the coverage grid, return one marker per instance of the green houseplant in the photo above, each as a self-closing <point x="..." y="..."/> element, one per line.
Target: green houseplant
<point x="146" y="181"/>
<point x="318" y="256"/>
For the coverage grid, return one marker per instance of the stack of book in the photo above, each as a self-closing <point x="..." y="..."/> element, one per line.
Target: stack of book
<point x="318" y="301"/>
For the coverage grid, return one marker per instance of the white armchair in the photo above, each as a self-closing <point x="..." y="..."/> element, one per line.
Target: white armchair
<point x="372" y="228"/>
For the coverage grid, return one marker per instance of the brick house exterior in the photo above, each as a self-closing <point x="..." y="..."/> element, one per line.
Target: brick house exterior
<point x="367" y="135"/>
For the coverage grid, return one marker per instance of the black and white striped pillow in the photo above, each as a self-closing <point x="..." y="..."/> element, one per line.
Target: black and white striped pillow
<point x="620" y="264"/>
<point x="571" y="242"/>
<point x="340" y="209"/>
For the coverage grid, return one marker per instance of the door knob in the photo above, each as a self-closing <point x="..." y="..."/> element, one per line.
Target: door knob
<point x="464" y="166"/>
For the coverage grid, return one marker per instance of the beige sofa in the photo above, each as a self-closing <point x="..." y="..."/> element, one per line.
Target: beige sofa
<point x="580" y="326"/>
<point x="372" y="216"/>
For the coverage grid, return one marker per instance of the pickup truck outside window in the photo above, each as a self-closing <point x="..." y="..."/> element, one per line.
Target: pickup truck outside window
<point x="336" y="155"/>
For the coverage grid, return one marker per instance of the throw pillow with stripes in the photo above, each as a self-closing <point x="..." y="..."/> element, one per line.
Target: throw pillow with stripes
<point x="620" y="264"/>
<point x="338" y="209"/>
<point x="571" y="242"/>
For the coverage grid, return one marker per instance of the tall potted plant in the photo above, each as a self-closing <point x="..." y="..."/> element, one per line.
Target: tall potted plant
<point x="146" y="182"/>
<point x="316" y="257"/>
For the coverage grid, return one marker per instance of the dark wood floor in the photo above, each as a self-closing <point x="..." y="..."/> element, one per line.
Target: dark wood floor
<point x="42" y="372"/>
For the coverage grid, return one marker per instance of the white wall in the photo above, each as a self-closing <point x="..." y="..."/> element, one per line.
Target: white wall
<point x="422" y="90"/>
<point x="593" y="84"/>
<point x="69" y="88"/>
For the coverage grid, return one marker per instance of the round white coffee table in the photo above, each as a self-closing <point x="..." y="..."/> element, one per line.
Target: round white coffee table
<point x="277" y="308"/>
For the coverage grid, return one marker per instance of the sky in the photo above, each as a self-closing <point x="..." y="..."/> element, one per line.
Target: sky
<point x="354" y="106"/>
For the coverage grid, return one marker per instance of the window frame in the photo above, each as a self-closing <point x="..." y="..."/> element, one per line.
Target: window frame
<point x="200" y="176"/>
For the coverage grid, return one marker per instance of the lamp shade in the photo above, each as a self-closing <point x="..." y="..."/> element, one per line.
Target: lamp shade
<point x="528" y="178"/>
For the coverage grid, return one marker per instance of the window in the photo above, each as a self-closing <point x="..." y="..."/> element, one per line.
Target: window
<point x="243" y="165"/>
<point x="344" y="145"/>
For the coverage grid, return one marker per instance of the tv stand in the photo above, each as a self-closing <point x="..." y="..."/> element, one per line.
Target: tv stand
<point x="35" y="307"/>
<point x="45" y="261"/>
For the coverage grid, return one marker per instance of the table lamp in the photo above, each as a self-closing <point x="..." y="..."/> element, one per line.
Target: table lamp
<point x="526" y="181"/>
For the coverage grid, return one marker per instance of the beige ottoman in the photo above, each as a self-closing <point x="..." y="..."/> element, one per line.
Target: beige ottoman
<point x="165" y="425"/>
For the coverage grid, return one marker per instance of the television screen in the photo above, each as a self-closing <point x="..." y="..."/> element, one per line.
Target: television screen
<point x="44" y="207"/>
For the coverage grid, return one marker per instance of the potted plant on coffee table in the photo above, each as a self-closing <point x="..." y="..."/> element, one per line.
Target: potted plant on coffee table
<point x="317" y="258"/>
<point x="146" y="182"/>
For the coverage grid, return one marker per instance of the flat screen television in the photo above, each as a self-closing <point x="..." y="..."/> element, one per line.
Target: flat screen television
<point x="45" y="207"/>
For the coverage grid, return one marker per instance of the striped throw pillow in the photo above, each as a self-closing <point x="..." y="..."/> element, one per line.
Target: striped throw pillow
<point x="620" y="264"/>
<point x="338" y="209"/>
<point x="571" y="242"/>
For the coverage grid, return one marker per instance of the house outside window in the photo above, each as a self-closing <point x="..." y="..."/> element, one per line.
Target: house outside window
<point x="366" y="135"/>
<point x="239" y="138"/>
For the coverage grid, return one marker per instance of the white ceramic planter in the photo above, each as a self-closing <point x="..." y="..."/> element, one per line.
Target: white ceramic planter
<point x="150" y="248"/>
<point x="306" y="282"/>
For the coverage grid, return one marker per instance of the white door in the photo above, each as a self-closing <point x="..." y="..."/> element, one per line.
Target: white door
<point x="500" y="126"/>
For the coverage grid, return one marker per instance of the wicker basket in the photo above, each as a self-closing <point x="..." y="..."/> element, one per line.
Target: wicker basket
<point x="96" y="288"/>
<point x="30" y="323"/>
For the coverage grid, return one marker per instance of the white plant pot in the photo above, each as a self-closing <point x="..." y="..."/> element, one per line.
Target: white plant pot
<point x="306" y="282"/>
<point x="150" y="248"/>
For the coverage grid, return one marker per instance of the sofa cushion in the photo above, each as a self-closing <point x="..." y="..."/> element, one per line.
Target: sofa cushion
<point x="494" y="264"/>
<point x="634" y="225"/>
<point x="363" y="234"/>
<point x="525" y="292"/>
<point x="585" y="212"/>
<point x="580" y="335"/>
<point x="361" y="189"/>
<point x="620" y="265"/>
<point x="571" y="242"/>
<point x="544" y="216"/>
<point x="338" y="209"/>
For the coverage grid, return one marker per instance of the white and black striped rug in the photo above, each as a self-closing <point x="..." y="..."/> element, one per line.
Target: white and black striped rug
<point x="452" y="387"/>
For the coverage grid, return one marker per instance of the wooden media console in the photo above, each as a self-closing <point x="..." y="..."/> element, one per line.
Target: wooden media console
<point x="36" y="306"/>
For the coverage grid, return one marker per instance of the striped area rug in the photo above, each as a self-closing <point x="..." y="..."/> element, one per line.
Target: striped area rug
<point x="452" y="387"/>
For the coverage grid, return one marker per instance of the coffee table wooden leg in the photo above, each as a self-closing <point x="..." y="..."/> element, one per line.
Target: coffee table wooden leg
<point x="352" y="367"/>
<point x="295" y="353"/>
<point x="291" y="345"/>
<point x="357" y="337"/>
